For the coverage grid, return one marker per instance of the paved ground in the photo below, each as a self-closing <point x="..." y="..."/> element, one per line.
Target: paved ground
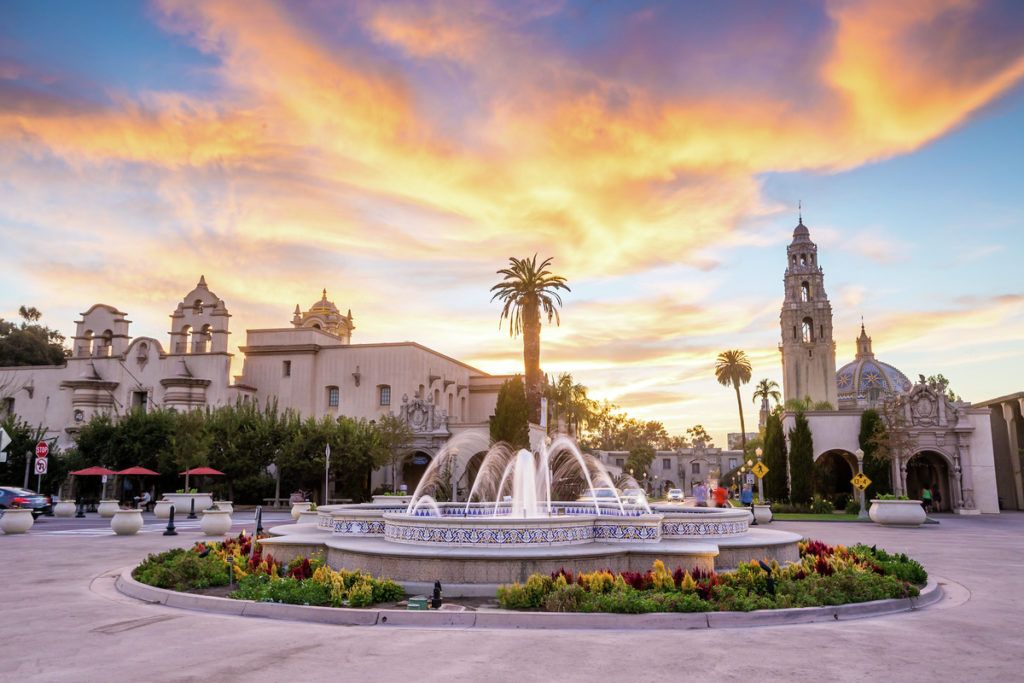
<point x="61" y="620"/>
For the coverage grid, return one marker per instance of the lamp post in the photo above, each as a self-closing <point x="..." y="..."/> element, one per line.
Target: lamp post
<point x="760" y="489"/>
<point x="860" y="470"/>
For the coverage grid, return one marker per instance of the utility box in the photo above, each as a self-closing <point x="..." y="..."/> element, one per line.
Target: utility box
<point x="419" y="602"/>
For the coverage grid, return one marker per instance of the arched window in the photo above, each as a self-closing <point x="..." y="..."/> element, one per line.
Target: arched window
<point x="805" y="291"/>
<point x="451" y="405"/>
<point x="186" y="334"/>
<point x="420" y="394"/>
<point x="85" y="347"/>
<point x="102" y="346"/>
<point x="201" y="341"/>
<point x="437" y="397"/>
<point x="803" y="259"/>
<point x="821" y="331"/>
<point x="197" y="306"/>
<point x="808" y="330"/>
<point x="462" y="409"/>
<point x="795" y="337"/>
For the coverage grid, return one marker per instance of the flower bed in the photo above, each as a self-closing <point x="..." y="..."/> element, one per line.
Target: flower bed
<point x="825" y="575"/>
<point x="260" y="577"/>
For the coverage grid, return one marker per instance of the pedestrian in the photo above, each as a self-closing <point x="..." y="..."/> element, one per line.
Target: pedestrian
<point x="936" y="501"/>
<point x="720" y="495"/>
<point x="926" y="499"/>
<point x="700" y="492"/>
<point x="747" y="496"/>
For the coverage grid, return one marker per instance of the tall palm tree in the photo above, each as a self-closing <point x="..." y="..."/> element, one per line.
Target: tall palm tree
<point x="732" y="367"/>
<point x="568" y="400"/>
<point x="527" y="289"/>
<point x="767" y="389"/>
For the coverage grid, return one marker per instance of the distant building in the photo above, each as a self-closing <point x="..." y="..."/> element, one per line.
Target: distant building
<point x="681" y="468"/>
<point x="734" y="441"/>
<point x="1006" y="415"/>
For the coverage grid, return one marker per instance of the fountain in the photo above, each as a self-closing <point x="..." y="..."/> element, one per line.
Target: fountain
<point x="525" y="513"/>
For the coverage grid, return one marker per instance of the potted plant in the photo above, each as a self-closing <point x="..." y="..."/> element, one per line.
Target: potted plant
<point x="308" y="516"/>
<point x="126" y="521"/>
<point x="763" y="512"/>
<point x="224" y="505"/>
<point x="162" y="509"/>
<point x="107" y="508"/>
<point x="297" y="507"/>
<point x="64" y="508"/>
<point x="215" y="521"/>
<point x="890" y="510"/>
<point x="16" y="520"/>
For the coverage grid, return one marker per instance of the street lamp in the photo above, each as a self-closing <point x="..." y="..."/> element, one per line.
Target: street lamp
<point x="760" y="490"/>
<point x="860" y="470"/>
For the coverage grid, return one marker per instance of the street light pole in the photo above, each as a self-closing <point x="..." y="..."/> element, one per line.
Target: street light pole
<point x="760" y="485"/>
<point x="860" y="470"/>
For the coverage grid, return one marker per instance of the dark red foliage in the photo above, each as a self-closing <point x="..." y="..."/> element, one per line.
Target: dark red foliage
<point x="699" y="574"/>
<point x="821" y="566"/>
<point x="876" y="569"/>
<point x="567" y="573"/>
<point x="800" y="574"/>
<point x="817" y="548"/>
<point x="636" y="580"/>
<point x="677" y="576"/>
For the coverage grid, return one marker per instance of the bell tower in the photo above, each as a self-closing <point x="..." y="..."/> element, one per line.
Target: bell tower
<point x="808" y="351"/>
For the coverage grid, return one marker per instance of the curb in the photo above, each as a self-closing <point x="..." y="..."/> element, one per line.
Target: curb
<point x="505" y="619"/>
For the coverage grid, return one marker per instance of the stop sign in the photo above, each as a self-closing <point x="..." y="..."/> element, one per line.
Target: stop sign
<point x="42" y="449"/>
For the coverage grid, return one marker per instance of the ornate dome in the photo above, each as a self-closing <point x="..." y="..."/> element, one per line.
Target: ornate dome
<point x="324" y="306"/>
<point x="867" y="378"/>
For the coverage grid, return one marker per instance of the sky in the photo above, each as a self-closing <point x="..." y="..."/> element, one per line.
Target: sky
<point x="398" y="153"/>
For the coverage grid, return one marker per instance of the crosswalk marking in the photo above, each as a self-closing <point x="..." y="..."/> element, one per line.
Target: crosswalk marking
<point x="106" y="531"/>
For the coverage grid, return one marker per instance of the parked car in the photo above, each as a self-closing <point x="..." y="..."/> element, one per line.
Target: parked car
<point x="16" y="497"/>
<point x="634" y="496"/>
<point x="599" y="495"/>
<point x="675" y="494"/>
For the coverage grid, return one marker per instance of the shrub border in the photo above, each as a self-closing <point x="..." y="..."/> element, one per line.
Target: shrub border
<point x="344" y="616"/>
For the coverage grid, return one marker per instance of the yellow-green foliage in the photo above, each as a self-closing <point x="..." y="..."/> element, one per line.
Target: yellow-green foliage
<point x="688" y="585"/>
<point x="660" y="578"/>
<point x="598" y="581"/>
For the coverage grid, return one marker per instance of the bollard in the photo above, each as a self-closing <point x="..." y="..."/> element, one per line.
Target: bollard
<point x="753" y="521"/>
<point x="435" y="601"/>
<point x="170" y="525"/>
<point x="192" y="509"/>
<point x="259" y="521"/>
<point x="80" y="510"/>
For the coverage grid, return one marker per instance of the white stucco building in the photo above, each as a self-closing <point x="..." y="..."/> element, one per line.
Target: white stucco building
<point x="311" y="366"/>
<point x="949" y="444"/>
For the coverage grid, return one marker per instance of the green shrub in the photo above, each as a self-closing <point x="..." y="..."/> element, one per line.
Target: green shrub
<point x="181" y="570"/>
<point x="899" y="566"/>
<point x="822" y="506"/>
<point x="853" y="507"/>
<point x="262" y="588"/>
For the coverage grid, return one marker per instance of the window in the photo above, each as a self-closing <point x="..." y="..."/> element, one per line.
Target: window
<point x="140" y="399"/>
<point x="7" y="409"/>
<point x="694" y="468"/>
<point x="805" y="291"/>
<point x="620" y="462"/>
<point x="332" y="396"/>
<point x="451" y="405"/>
<point x="808" y="330"/>
<point x="666" y="463"/>
<point x="803" y="259"/>
<point x="197" y="307"/>
<point x="462" y="408"/>
<point x="821" y="331"/>
<point x="286" y="368"/>
<point x="385" y="395"/>
<point x="733" y="463"/>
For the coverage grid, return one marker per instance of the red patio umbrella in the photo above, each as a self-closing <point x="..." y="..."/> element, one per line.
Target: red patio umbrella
<point x="96" y="471"/>
<point x="202" y="470"/>
<point x="141" y="471"/>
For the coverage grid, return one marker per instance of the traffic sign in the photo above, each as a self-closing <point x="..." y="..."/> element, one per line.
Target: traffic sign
<point x="5" y="441"/>
<point x="860" y="481"/>
<point x="41" y="465"/>
<point x="759" y="469"/>
<point x="42" y="449"/>
<point x="750" y="479"/>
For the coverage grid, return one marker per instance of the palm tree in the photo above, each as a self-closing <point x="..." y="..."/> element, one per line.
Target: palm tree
<point x="527" y="289"/>
<point x="733" y="368"/>
<point x="767" y="389"/>
<point x="568" y="400"/>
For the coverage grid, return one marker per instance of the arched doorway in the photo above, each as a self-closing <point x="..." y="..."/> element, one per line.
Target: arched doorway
<point x="831" y="477"/>
<point x="929" y="469"/>
<point x="413" y="467"/>
<point x="469" y="474"/>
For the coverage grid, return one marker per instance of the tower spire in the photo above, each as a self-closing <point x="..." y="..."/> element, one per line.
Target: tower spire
<point x="800" y="211"/>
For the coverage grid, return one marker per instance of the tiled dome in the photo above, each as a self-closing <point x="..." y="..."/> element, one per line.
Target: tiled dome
<point x="868" y="377"/>
<point x="324" y="306"/>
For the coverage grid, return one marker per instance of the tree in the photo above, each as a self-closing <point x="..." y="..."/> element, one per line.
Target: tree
<point x="732" y="368"/>
<point x="189" y="443"/>
<point x="698" y="433"/>
<point x="394" y="437"/>
<point x="774" y="458"/>
<point x="639" y="461"/>
<point x="767" y="389"/>
<point x="567" y="400"/>
<point x="510" y="422"/>
<point x="876" y="467"/>
<point x="30" y="343"/>
<point x="802" y="405"/>
<point x="942" y="384"/>
<point x="527" y="290"/>
<point x="801" y="460"/>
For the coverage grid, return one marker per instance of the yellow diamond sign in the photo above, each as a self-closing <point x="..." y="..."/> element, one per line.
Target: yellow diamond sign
<point x="759" y="469"/>
<point x="860" y="481"/>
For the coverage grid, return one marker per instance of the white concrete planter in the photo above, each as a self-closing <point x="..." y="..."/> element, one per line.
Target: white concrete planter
<point x="17" y="520"/>
<point x="392" y="500"/>
<point x="224" y="505"/>
<point x="126" y="522"/>
<point x="215" y="522"/>
<point x="763" y="514"/>
<point x="64" y="508"/>
<point x="299" y="507"/>
<point x="182" y="502"/>
<point x="896" y="512"/>
<point x="162" y="509"/>
<point x="107" y="508"/>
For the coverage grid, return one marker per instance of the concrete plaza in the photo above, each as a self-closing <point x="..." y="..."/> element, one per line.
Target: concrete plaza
<point x="64" y="621"/>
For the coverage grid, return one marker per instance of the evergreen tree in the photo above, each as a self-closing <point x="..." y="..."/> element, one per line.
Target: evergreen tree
<point x="801" y="460"/>
<point x="876" y="468"/>
<point x="510" y="422"/>
<point x="774" y="458"/>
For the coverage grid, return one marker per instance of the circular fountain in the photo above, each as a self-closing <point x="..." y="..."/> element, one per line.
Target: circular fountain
<point x="525" y="514"/>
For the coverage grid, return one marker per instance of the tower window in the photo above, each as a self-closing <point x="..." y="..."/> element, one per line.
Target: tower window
<point x="808" y="330"/>
<point x="795" y="337"/>
<point x="385" y="395"/>
<point x="286" y="368"/>
<point x="805" y="291"/>
<point x="803" y="259"/>
<point x="332" y="396"/>
<point x="821" y="331"/>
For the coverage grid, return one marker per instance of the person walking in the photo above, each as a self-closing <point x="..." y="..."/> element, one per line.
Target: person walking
<point x="747" y="496"/>
<point x="926" y="499"/>
<point x="700" y="492"/>
<point x="720" y="495"/>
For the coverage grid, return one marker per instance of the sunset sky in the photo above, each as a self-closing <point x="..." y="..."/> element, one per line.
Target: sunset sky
<point x="397" y="153"/>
